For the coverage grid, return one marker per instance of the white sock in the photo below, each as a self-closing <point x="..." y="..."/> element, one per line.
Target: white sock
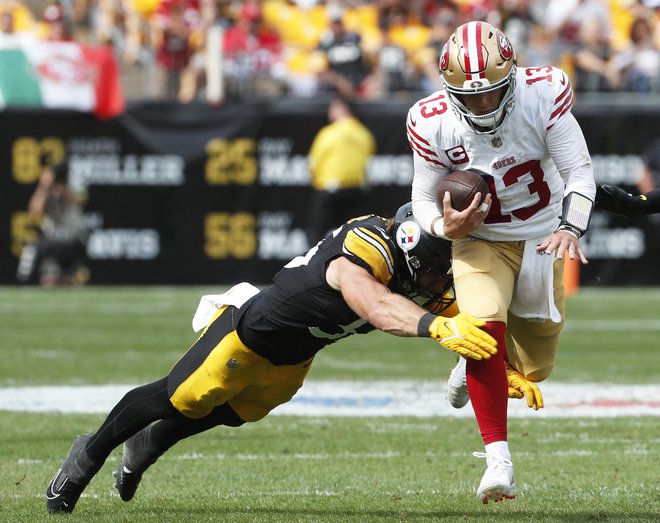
<point x="498" y="448"/>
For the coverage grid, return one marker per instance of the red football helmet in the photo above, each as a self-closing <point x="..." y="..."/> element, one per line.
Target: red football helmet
<point x="479" y="58"/>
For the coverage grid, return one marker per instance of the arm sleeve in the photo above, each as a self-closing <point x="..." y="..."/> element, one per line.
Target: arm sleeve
<point x="568" y="149"/>
<point x="424" y="204"/>
<point x="564" y="138"/>
<point x="428" y="168"/>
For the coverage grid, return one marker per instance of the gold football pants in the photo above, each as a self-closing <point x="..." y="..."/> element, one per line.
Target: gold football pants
<point x="219" y="369"/>
<point x="485" y="274"/>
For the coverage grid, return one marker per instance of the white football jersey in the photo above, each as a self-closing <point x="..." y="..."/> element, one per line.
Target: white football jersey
<point x="536" y="157"/>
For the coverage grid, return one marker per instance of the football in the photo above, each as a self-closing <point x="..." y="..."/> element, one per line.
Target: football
<point x="462" y="187"/>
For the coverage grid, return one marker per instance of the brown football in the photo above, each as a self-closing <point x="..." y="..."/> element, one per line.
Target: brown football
<point x="462" y="187"/>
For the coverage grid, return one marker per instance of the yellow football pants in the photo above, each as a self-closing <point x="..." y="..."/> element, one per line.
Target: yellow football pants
<point x="219" y="369"/>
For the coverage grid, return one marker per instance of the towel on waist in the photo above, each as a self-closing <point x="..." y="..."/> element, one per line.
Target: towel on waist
<point x="533" y="295"/>
<point x="210" y="303"/>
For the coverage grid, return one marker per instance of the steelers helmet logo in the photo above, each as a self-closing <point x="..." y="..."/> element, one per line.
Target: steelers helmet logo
<point x="408" y="235"/>
<point x="504" y="46"/>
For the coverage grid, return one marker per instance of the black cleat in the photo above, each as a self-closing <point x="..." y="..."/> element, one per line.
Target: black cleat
<point x="126" y="482"/>
<point x="137" y="457"/>
<point x="70" y="481"/>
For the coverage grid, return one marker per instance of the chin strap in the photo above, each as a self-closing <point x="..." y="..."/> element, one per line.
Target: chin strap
<point x="576" y="213"/>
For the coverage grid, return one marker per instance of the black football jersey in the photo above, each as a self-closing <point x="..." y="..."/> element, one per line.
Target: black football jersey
<point x="299" y="314"/>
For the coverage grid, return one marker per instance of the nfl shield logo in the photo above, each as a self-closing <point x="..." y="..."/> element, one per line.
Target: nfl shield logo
<point x="232" y="363"/>
<point x="496" y="141"/>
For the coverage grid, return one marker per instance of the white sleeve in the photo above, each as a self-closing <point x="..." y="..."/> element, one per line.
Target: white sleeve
<point x="428" y="168"/>
<point x="424" y="205"/>
<point x="569" y="151"/>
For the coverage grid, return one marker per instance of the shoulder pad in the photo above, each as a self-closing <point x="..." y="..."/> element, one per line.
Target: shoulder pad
<point x="370" y="247"/>
<point x="553" y="86"/>
<point x="423" y="123"/>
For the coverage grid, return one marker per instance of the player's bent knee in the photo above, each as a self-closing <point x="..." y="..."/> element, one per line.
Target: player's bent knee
<point x="225" y="415"/>
<point x="197" y="406"/>
<point x="249" y="413"/>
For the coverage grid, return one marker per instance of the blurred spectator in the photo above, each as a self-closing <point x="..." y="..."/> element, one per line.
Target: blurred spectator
<point x="345" y="61"/>
<point x="21" y="16"/>
<point x="59" y="255"/>
<point x="251" y="53"/>
<point x="6" y="23"/>
<point x="539" y="50"/>
<point x="15" y="21"/>
<point x="407" y="32"/>
<point x="366" y="48"/>
<point x="638" y="65"/>
<point x="58" y="27"/>
<point x="565" y="18"/>
<point x="300" y="26"/>
<point x="592" y="71"/>
<point x="172" y="31"/>
<point x="444" y="21"/>
<point x="391" y="69"/>
<point x="8" y="36"/>
<point x="338" y="162"/>
<point x="518" y="21"/>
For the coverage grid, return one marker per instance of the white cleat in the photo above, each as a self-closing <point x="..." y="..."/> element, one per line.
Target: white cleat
<point x="498" y="482"/>
<point x="457" y="392"/>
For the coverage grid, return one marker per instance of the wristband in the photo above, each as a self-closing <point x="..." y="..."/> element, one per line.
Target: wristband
<point x="424" y="324"/>
<point x="438" y="229"/>
<point x="569" y="229"/>
<point x="576" y="213"/>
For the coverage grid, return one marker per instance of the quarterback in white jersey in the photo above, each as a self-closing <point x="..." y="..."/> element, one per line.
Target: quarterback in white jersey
<point x="514" y="127"/>
<point x="532" y="160"/>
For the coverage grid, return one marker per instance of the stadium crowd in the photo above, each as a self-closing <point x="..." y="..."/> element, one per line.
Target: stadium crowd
<point x="363" y="49"/>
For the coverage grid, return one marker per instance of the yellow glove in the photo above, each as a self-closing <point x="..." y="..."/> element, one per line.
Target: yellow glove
<point x="463" y="335"/>
<point x="520" y="386"/>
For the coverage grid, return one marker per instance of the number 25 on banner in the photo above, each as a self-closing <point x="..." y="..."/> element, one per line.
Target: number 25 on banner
<point x="230" y="235"/>
<point x="231" y="162"/>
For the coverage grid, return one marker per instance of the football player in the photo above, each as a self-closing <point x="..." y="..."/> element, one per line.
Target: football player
<point x="515" y="124"/>
<point x="617" y="201"/>
<point x="257" y="347"/>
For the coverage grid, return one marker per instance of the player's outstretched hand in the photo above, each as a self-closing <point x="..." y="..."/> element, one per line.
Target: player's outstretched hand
<point x="562" y="243"/>
<point x="616" y="200"/>
<point x="520" y="386"/>
<point x="463" y="335"/>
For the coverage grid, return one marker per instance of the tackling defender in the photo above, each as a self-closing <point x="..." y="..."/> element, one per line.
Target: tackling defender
<point x="257" y="347"/>
<point x="514" y="124"/>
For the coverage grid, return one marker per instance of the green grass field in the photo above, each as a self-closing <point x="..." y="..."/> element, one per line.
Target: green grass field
<point x="287" y="469"/>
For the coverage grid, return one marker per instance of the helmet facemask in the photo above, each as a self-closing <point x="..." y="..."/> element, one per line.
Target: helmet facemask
<point x="484" y="123"/>
<point x="478" y="58"/>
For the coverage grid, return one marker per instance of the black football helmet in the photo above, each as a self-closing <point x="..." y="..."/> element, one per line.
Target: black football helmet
<point x="423" y="263"/>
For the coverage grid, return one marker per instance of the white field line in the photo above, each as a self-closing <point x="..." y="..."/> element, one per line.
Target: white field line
<point x="372" y="398"/>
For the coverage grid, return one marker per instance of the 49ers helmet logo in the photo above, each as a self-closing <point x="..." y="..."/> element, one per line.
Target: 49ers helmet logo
<point x="504" y="46"/>
<point x="444" y="58"/>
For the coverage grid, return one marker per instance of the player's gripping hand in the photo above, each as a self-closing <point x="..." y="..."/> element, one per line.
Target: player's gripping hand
<point x="463" y="335"/>
<point x="617" y="201"/>
<point x="520" y="386"/>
